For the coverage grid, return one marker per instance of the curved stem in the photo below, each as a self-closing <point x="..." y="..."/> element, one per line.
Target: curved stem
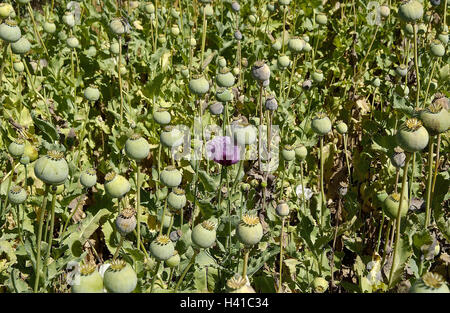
<point x="244" y="268"/>
<point x="397" y="234"/>
<point x="186" y="270"/>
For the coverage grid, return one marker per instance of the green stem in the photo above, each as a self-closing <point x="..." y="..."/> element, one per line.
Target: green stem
<point x="9" y="185"/>
<point x="116" y="254"/>
<point x="379" y="233"/>
<point x="294" y="64"/>
<point x="416" y="63"/>
<point x="186" y="270"/>
<point x="244" y="269"/>
<point x="162" y="218"/>
<point x="429" y="82"/>
<point x="412" y="178"/>
<point x="322" y="189"/>
<point x="303" y="186"/>
<point x="281" y="255"/>
<point x="30" y="10"/>
<point x="154" y="276"/>
<point x="71" y="215"/>
<point x="430" y="174"/>
<point x="438" y="148"/>
<point x="119" y="63"/>
<point x="346" y="157"/>
<point x="397" y="234"/>
<point x="39" y="238"/>
<point x="205" y="22"/>
<point x="138" y="205"/>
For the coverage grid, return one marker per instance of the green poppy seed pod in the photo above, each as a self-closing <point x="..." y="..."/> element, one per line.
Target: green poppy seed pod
<point x="282" y="209"/>
<point x="321" y="19"/>
<point x="435" y="118"/>
<point x="90" y="280"/>
<point x="149" y="8"/>
<point x="167" y="218"/>
<point x="296" y="44"/>
<point x="171" y="177"/>
<point x="260" y="71"/>
<point x="199" y="85"/>
<point x="317" y="76"/>
<point x="288" y="153"/>
<point x="437" y="49"/>
<point x="307" y="47"/>
<point x="21" y="46"/>
<point x="249" y="230"/>
<point x="16" y="148"/>
<point x="114" y="48"/>
<point x="24" y="160"/>
<point x="192" y="41"/>
<point x="137" y="147"/>
<point x="444" y="72"/>
<point x="216" y="108"/>
<point x="5" y="10"/>
<point x="174" y="260"/>
<point x="72" y="42"/>
<point x="410" y="10"/>
<point x="283" y="62"/>
<point x="443" y="37"/>
<point x="185" y="72"/>
<point x="162" y="248"/>
<point x="62" y="35"/>
<point x="174" y="13"/>
<point x="271" y="103"/>
<point x="236" y="70"/>
<point x="49" y="27"/>
<point x="126" y="221"/>
<point x="117" y="26"/>
<point x="116" y="186"/>
<point x="320" y="285"/>
<point x="221" y="61"/>
<point x="52" y="168"/>
<point x="9" y="31"/>
<point x="120" y="277"/>
<point x="244" y="133"/>
<point x="412" y="136"/>
<point x="175" y="30"/>
<point x="17" y="195"/>
<point x="177" y="198"/>
<point x="421" y="29"/>
<point x="409" y="29"/>
<point x="252" y="19"/>
<point x="276" y="45"/>
<point x="270" y="7"/>
<point x="238" y="284"/>
<point x="225" y="78"/>
<point x="162" y="116"/>
<point x="171" y="137"/>
<point x="224" y="95"/>
<point x="18" y="66"/>
<point x="321" y="124"/>
<point x="430" y="283"/>
<point x="209" y="11"/>
<point x="384" y="11"/>
<point x="88" y="178"/>
<point x="398" y="157"/>
<point x="391" y="204"/>
<point x="401" y="70"/>
<point x="376" y="82"/>
<point x="204" y="234"/>
<point x="341" y="128"/>
<point x="91" y="93"/>
<point x="301" y="152"/>
<point x="69" y="19"/>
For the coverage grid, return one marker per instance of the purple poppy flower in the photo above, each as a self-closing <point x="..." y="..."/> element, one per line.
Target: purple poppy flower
<point x="222" y="150"/>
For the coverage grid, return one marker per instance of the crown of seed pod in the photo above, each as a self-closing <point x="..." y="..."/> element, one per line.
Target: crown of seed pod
<point x="282" y="209"/>
<point x="171" y="137"/>
<point x="412" y="136"/>
<point x="120" y="277"/>
<point x="288" y="153"/>
<point x="88" y="178"/>
<point x="177" y="198"/>
<point x="321" y="124"/>
<point x="162" y="248"/>
<point x="137" y="147"/>
<point x="398" y="157"/>
<point x="52" y="168"/>
<point x="204" y="234"/>
<point x="90" y="280"/>
<point x="238" y="284"/>
<point x="410" y="10"/>
<point x="341" y="127"/>
<point x="116" y="186"/>
<point x="21" y="46"/>
<point x="199" y="85"/>
<point x="69" y="19"/>
<point x="16" y="148"/>
<point x="225" y="78"/>
<point x="435" y="118"/>
<point x="171" y="177"/>
<point x="430" y="283"/>
<point x="391" y="204"/>
<point x="126" y="221"/>
<point x="260" y="71"/>
<point x="216" y="108"/>
<point x="17" y="195"/>
<point x="9" y="31"/>
<point x="249" y="230"/>
<point x="174" y="260"/>
<point x="224" y="95"/>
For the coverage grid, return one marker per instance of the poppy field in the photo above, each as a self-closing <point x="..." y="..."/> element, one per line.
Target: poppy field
<point x="220" y="146"/>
